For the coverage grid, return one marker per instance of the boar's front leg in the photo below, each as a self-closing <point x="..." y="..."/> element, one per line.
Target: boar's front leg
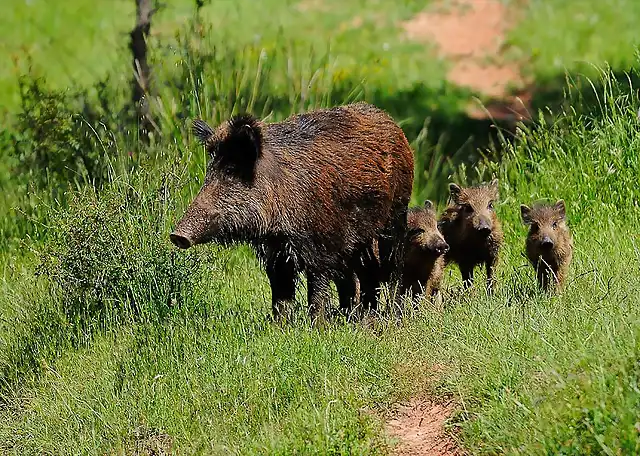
<point x="282" y="278"/>
<point x="317" y="296"/>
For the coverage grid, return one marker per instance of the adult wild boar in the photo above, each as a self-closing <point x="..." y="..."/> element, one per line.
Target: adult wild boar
<point x="310" y="194"/>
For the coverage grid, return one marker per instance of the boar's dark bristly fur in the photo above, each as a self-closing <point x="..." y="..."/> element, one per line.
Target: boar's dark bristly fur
<point x="549" y="243"/>
<point x="424" y="260"/>
<point x="472" y="229"/>
<point x="311" y="194"/>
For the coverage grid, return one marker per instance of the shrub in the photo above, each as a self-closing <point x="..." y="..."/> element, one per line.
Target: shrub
<point x="109" y="255"/>
<point x="54" y="140"/>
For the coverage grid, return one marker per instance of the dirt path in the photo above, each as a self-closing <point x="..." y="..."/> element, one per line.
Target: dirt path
<point x="471" y="35"/>
<point x="418" y="427"/>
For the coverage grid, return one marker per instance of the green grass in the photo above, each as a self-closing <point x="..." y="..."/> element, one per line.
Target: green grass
<point x="112" y="340"/>
<point x="365" y="35"/>
<point x="557" y="36"/>
<point x="531" y="374"/>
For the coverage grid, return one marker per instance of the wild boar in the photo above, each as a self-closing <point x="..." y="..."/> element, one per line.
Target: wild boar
<point x="549" y="244"/>
<point x="310" y="194"/>
<point x="426" y="247"/>
<point x="472" y="230"/>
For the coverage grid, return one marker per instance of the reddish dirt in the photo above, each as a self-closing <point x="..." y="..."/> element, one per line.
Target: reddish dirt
<point x="470" y="34"/>
<point x="418" y="427"/>
<point x="306" y="6"/>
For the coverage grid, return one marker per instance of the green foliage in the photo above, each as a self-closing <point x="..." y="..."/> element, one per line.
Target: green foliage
<point x="55" y="145"/>
<point x="111" y="253"/>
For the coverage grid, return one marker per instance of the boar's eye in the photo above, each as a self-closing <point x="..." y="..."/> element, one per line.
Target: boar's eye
<point x="554" y="225"/>
<point x="534" y="227"/>
<point x="490" y="206"/>
<point x="467" y="208"/>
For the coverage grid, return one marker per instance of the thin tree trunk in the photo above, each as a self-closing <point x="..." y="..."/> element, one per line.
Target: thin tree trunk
<point x="141" y="82"/>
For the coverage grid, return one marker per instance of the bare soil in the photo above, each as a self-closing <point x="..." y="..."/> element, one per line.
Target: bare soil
<point x="418" y="427"/>
<point x="471" y="35"/>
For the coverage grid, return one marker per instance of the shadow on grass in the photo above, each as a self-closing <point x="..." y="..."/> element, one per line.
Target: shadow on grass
<point x="456" y="135"/>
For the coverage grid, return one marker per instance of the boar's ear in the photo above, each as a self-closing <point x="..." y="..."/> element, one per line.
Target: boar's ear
<point x="201" y="130"/>
<point x="560" y="207"/>
<point x="525" y="212"/>
<point x="428" y="204"/>
<point x="243" y="145"/>
<point x="454" y="191"/>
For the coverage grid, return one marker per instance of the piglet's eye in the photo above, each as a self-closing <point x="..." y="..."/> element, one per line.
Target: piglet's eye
<point x="467" y="208"/>
<point x="490" y="206"/>
<point x="534" y="227"/>
<point x="415" y="232"/>
<point x="554" y="225"/>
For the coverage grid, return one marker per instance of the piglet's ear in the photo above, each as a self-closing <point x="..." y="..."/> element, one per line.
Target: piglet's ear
<point x="454" y="192"/>
<point x="428" y="204"/>
<point x="525" y="213"/>
<point x="560" y="207"/>
<point x="201" y="130"/>
<point x="493" y="185"/>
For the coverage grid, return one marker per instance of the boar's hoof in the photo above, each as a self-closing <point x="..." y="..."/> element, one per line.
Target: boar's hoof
<point x="180" y="241"/>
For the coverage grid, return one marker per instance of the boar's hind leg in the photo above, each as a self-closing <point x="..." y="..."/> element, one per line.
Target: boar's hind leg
<point x="282" y="278"/>
<point x="347" y="285"/>
<point x="366" y="265"/>
<point x="317" y="296"/>
<point x="392" y="254"/>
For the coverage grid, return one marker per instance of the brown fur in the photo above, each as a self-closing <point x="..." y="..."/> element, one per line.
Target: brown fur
<point x="424" y="262"/>
<point x="549" y="243"/>
<point x="310" y="194"/>
<point x="472" y="230"/>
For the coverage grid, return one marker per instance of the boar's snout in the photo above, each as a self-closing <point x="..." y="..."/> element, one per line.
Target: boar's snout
<point x="484" y="228"/>
<point x="180" y="240"/>
<point x="547" y="243"/>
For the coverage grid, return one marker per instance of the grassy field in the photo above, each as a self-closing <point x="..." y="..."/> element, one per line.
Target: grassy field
<point x="113" y="341"/>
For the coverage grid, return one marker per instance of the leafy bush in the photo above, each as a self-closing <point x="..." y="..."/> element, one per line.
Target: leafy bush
<point x="110" y="256"/>
<point x="54" y="140"/>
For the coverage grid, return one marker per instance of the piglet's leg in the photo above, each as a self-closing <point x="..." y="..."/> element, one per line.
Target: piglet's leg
<point x="467" y="275"/>
<point x="317" y="295"/>
<point x="490" y="275"/>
